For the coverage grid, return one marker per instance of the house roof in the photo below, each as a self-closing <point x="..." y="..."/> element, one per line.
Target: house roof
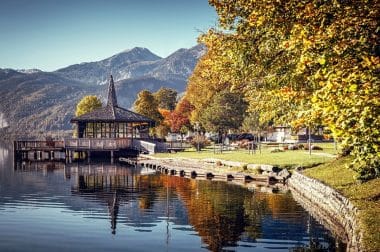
<point x="111" y="112"/>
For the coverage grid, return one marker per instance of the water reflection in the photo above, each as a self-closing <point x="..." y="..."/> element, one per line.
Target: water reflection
<point x="140" y="206"/>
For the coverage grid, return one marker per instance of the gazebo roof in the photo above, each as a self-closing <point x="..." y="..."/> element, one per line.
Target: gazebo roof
<point x="111" y="112"/>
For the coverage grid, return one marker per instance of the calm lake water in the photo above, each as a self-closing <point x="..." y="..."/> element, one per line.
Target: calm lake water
<point x="106" y="207"/>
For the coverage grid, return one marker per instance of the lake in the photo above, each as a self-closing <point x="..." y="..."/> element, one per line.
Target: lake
<point x="46" y="206"/>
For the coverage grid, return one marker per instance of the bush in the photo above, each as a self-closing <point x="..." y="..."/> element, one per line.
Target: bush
<point x="245" y="144"/>
<point x="292" y="147"/>
<point x="276" y="150"/>
<point x="300" y="146"/>
<point x="199" y="141"/>
<point x="316" y="147"/>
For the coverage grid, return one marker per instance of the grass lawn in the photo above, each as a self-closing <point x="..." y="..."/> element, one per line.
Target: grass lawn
<point x="286" y="159"/>
<point x="365" y="196"/>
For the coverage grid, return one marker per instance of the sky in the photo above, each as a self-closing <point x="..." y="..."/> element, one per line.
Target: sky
<point x="51" y="34"/>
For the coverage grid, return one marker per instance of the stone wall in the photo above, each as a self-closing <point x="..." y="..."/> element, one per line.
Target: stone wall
<point x="329" y="207"/>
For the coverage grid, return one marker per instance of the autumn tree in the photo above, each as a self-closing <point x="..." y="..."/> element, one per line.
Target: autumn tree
<point x="146" y="105"/>
<point x="180" y="117"/>
<point x="163" y="129"/>
<point x="304" y="62"/>
<point x="205" y="82"/>
<point x="87" y="104"/>
<point x="166" y="98"/>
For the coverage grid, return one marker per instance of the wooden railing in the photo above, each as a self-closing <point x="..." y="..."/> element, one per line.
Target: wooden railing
<point x="177" y="145"/>
<point x="144" y="146"/>
<point x="39" y="145"/>
<point x="98" y="143"/>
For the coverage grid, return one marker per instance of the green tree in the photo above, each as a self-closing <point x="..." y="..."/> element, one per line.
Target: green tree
<point x="166" y="98"/>
<point x="226" y="111"/>
<point x="146" y="105"/>
<point x="87" y="104"/>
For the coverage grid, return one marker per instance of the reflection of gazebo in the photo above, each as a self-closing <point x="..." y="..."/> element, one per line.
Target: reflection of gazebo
<point x="112" y="121"/>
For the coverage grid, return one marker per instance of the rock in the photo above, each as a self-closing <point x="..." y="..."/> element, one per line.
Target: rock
<point x="284" y="173"/>
<point x="268" y="168"/>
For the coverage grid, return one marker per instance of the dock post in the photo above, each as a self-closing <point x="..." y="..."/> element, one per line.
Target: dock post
<point x="112" y="159"/>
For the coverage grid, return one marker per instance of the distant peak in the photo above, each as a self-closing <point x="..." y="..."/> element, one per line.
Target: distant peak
<point x="136" y="49"/>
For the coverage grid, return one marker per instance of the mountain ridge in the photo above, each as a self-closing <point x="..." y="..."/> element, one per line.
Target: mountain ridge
<point x="35" y="101"/>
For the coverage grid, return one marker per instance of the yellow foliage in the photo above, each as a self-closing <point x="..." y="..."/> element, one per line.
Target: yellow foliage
<point x="87" y="104"/>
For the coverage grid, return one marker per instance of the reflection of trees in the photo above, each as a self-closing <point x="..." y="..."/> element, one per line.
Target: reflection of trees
<point x="216" y="210"/>
<point x="148" y="195"/>
<point x="221" y="213"/>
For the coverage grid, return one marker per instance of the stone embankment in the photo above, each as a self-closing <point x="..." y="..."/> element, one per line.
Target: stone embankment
<point x="212" y="169"/>
<point x="329" y="207"/>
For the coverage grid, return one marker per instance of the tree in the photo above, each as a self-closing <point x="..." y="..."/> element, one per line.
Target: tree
<point x="146" y="105"/>
<point x="226" y="111"/>
<point x="304" y="62"/>
<point x="166" y="98"/>
<point x="87" y="104"/>
<point x="205" y="82"/>
<point x="180" y="117"/>
<point x="164" y="128"/>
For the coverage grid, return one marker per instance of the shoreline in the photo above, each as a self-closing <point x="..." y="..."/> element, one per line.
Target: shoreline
<point x="324" y="203"/>
<point x="329" y="207"/>
<point x="214" y="168"/>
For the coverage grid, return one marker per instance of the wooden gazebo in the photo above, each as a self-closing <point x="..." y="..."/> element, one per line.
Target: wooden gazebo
<point x="112" y="121"/>
<point x="111" y="127"/>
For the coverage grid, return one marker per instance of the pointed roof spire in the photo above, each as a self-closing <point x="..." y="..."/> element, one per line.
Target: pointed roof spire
<point x="112" y="101"/>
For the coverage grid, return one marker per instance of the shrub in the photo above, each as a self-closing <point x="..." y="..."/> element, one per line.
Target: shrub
<point x="316" y="147"/>
<point x="292" y="147"/>
<point x="276" y="150"/>
<point x="199" y="141"/>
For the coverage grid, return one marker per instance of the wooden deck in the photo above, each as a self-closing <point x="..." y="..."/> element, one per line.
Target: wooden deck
<point x="66" y="148"/>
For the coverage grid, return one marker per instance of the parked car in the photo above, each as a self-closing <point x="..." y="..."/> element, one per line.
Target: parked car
<point x="245" y="136"/>
<point x="232" y="137"/>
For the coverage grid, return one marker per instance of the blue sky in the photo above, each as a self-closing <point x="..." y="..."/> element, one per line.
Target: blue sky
<point x="50" y="34"/>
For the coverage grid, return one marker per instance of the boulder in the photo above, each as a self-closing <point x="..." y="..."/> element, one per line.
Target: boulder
<point x="284" y="173"/>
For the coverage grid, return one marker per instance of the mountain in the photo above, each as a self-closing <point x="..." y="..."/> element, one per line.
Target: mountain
<point x="118" y="64"/>
<point x="36" y="101"/>
<point x="136" y="63"/>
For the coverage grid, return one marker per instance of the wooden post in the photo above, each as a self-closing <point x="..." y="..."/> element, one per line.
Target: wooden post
<point x="309" y="141"/>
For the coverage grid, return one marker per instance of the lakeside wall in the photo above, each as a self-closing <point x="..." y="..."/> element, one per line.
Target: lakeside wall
<point x="329" y="207"/>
